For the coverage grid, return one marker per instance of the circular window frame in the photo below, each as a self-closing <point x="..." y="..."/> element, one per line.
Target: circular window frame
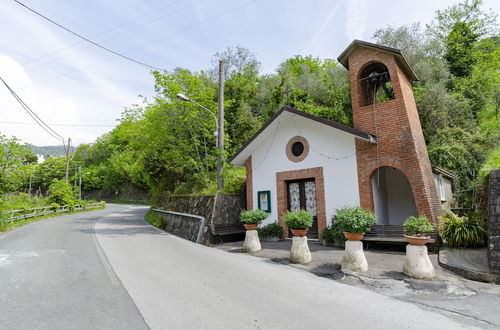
<point x="289" y="146"/>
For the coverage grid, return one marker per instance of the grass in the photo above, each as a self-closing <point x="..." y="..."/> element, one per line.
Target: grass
<point x="22" y="222"/>
<point x="155" y="219"/>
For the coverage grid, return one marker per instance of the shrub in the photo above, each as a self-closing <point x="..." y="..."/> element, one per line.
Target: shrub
<point x="155" y="219"/>
<point x="354" y="220"/>
<point x="462" y="232"/>
<point x="298" y="220"/>
<point x="61" y="192"/>
<point x="55" y="206"/>
<point x="271" y="230"/>
<point x="328" y="235"/>
<point x="420" y="226"/>
<point x="253" y="217"/>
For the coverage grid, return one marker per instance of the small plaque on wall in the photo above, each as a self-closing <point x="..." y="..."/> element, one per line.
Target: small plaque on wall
<point x="264" y="200"/>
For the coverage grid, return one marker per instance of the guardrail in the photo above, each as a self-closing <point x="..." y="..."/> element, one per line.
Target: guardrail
<point x="14" y="215"/>
<point x="201" y="230"/>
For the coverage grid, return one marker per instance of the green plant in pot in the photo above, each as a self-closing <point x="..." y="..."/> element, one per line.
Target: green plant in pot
<point x="354" y="222"/>
<point x="298" y="222"/>
<point x="252" y="218"/>
<point x="417" y="230"/>
<point x="272" y="231"/>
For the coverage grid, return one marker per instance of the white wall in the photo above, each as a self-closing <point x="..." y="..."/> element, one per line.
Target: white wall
<point x="393" y="197"/>
<point x="340" y="176"/>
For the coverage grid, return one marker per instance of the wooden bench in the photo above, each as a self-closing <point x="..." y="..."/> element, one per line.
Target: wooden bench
<point x="391" y="234"/>
<point x="221" y="230"/>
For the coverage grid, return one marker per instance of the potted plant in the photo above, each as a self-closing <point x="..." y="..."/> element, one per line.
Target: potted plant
<point x="354" y="222"/>
<point x="252" y="218"/>
<point x="271" y="232"/>
<point x="416" y="230"/>
<point x="298" y="222"/>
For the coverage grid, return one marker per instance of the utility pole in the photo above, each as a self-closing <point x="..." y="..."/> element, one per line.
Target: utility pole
<point x="30" y="185"/>
<point x="80" y="172"/>
<point x="220" y="144"/>
<point x="67" y="159"/>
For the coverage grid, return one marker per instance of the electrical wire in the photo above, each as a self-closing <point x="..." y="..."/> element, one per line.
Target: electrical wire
<point x="71" y="125"/>
<point x="33" y="115"/>
<point x="36" y="67"/>
<point x="88" y="40"/>
<point x="105" y="31"/>
<point x="146" y="44"/>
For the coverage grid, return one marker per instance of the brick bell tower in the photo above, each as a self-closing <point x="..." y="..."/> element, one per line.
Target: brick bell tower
<point x="383" y="105"/>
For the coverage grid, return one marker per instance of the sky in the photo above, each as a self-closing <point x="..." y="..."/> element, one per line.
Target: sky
<point x="80" y="90"/>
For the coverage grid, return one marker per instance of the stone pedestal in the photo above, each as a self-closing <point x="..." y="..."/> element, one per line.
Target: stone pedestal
<point x="300" y="253"/>
<point x="252" y="243"/>
<point x="354" y="259"/>
<point x="417" y="263"/>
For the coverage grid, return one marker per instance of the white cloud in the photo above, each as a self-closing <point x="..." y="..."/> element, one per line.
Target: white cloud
<point x="356" y="18"/>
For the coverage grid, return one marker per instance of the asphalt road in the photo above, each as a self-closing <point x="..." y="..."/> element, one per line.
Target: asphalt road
<point x="54" y="275"/>
<point x="111" y="270"/>
<point x="177" y="284"/>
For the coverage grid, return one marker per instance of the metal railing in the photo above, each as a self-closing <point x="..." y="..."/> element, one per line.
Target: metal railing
<point x="201" y="230"/>
<point x="14" y="215"/>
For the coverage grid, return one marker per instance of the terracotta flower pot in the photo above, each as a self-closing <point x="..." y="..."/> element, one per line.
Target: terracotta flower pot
<point x="299" y="232"/>
<point x="416" y="240"/>
<point x="353" y="236"/>
<point x="252" y="226"/>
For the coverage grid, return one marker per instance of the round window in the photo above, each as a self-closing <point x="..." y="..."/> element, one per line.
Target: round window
<point x="297" y="149"/>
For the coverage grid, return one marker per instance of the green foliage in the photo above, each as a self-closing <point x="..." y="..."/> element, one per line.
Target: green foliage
<point x="298" y="220"/>
<point x="271" y="230"/>
<point x="354" y="220"/>
<point x="234" y="179"/>
<point x="61" y="193"/>
<point x="253" y="216"/>
<point x="462" y="232"/>
<point x="328" y="235"/>
<point x="460" y="49"/>
<point x="155" y="219"/>
<point x="417" y="226"/>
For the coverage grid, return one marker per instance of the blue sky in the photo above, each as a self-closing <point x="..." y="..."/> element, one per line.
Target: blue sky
<point x="68" y="81"/>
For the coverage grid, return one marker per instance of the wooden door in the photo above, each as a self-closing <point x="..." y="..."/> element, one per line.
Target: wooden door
<point x="302" y="195"/>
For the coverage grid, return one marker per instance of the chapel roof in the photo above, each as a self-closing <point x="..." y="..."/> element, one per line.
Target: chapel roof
<point x="357" y="133"/>
<point x="344" y="57"/>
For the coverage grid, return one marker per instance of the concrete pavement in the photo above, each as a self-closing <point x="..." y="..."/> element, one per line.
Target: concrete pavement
<point x="177" y="284"/>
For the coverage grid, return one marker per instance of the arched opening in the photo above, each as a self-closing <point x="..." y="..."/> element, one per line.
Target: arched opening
<point x="375" y="84"/>
<point x="392" y="196"/>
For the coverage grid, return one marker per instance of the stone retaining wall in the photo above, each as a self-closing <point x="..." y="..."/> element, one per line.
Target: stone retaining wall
<point x="216" y="209"/>
<point x="494" y="222"/>
<point x="182" y="226"/>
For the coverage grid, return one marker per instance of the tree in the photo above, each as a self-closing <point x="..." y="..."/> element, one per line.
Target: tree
<point x="460" y="49"/>
<point x="469" y="12"/>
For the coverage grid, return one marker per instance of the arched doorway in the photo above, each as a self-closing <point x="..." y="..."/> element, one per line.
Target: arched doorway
<point x="392" y="196"/>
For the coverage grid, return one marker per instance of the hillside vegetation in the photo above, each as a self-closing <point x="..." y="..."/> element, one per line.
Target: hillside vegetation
<point x="168" y="145"/>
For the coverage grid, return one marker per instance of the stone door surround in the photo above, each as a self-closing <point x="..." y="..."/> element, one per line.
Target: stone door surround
<point x="315" y="173"/>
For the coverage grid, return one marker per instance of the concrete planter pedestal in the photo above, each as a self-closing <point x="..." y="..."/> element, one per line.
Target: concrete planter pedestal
<point x="300" y="254"/>
<point x="417" y="263"/>
<point x="354" y="259"/>
<point x="252" y="243"/>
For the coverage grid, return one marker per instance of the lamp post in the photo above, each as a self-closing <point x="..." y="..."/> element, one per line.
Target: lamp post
<point x="217" y="134"/>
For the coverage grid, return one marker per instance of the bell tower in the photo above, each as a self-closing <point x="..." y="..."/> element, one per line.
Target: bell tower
<point x="383" y="105"/>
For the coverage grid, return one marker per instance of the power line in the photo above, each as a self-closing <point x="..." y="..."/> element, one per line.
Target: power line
<point x="36" y="67"/>
<point x="33" y="115"/>
<point x="107" y="30"/>
<point x="88" y="40"/>
<point x="146" y="44"/>
<point x="79" y="125"/>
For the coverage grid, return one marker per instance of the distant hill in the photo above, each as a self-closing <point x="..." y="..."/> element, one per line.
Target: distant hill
<point x="49" y="151"/>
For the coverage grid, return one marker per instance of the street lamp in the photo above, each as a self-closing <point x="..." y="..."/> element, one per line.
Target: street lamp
<point x="183" y="97"/>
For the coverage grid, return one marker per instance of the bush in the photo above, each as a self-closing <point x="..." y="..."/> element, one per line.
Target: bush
<point x="462" y="232"/>
<point x="61" y="192"/>
<point x="298" y="220"/>
<point x="155" y="219"/>
<point x="271" y="230"/>
<point x="354" y="220"/>
<point x="328" y="235"/>
<point x="253" y="217"/>
<point x="420" y="226"/>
